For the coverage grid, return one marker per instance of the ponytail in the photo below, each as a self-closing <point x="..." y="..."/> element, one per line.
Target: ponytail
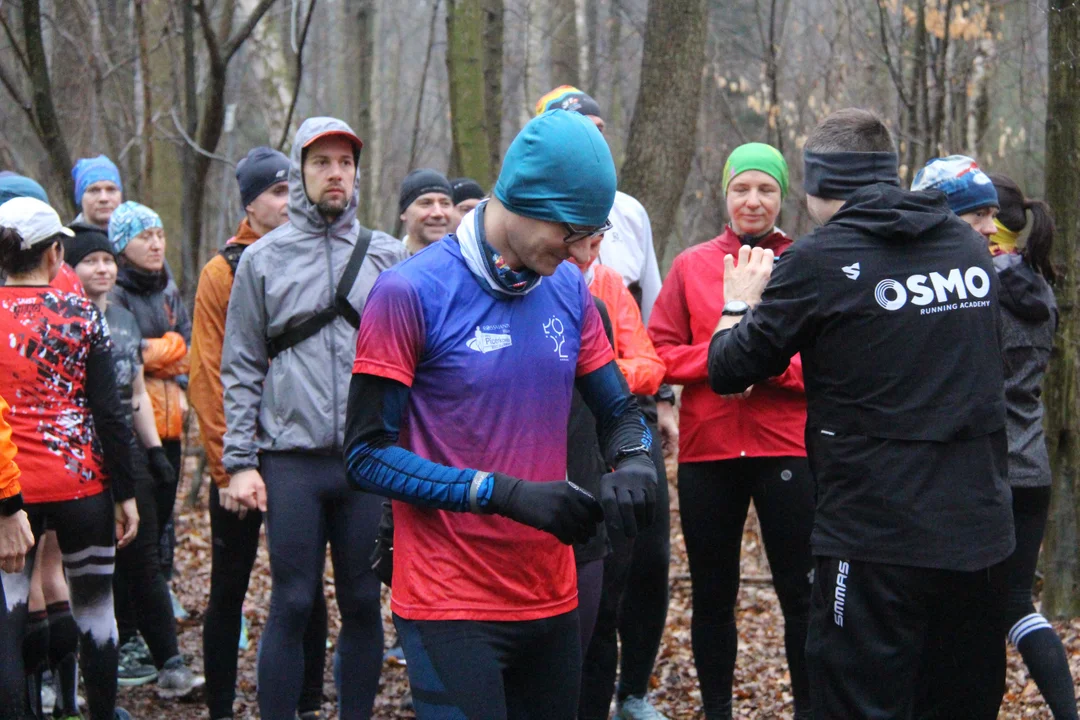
<point x="1014" y="207"/>
<point x="1040" y="241"/>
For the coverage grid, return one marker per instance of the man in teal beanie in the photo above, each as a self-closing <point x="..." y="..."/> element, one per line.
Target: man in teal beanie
<point x="465" y="364"/>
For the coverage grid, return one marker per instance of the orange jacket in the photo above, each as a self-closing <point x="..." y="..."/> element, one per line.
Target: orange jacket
<point x="634" y="351"/>
<point x="205" y="390"/>
<point x="163" y="359"/>
<point x="9" y="471"/>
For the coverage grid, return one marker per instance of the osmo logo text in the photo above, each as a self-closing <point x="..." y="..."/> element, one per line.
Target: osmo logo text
<point x="924" y="290"/>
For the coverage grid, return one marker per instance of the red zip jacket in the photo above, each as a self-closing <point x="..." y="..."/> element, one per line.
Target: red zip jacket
<point x="769" y="423"/>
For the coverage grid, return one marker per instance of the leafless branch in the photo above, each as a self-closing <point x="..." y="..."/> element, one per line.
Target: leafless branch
<point x="15" y="45"/>
<point x="299" y="75"/>
<point x="237" y="39"/>
<point x="194" y="145"/>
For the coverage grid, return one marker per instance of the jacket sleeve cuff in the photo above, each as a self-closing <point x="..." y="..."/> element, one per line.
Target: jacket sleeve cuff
<point x="11" y="505"/>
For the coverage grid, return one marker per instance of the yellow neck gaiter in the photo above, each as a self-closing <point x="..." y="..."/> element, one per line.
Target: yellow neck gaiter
<point x="1003" y="241"/>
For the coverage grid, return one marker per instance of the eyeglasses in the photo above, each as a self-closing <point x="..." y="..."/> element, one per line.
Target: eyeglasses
<point x="574" y="233"/>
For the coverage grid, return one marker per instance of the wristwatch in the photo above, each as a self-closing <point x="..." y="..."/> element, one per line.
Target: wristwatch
<point x="736" y="308"/>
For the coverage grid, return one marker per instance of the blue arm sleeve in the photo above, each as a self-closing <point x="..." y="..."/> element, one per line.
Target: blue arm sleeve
<point x="619" y="423"/>
<point x="374" y="462"/>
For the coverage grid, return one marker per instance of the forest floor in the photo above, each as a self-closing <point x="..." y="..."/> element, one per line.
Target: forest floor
<point x="762" y="684"/>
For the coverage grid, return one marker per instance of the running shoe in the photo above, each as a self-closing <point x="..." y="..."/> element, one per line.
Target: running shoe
<point x="395" y="657"/>
<point x="137" y="645"/>
<point x="121" y="714"/>
<point x="310" y="715"/>
<point x="131" y="670"/>
<point x="48" y="695"/>
<point x="637" y="708"/>
<point x="176" y="680"/>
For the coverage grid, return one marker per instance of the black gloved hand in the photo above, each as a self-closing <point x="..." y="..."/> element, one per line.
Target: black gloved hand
<point x="160" y="467"/>
<point x="560" y="508"/>
<point x="382" y="555"/>
<point x="628" y="494"/>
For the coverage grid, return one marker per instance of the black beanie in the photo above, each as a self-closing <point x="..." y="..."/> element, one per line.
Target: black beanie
<point x="86" y="240"/>
<point x="466" y="189"/>
<point x="419" y="182"/>
<point x="262" y="168"/>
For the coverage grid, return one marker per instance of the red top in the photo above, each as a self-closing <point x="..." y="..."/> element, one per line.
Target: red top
<point x="46" y="337"/>
<point x="68" y="281"/>
<point x="772" y="420"/>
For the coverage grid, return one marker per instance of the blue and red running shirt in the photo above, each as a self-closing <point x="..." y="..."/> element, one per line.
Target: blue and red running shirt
<point x="491" y="380"/>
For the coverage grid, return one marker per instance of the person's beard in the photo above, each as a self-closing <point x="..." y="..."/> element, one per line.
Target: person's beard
<point x="332" y="208"/>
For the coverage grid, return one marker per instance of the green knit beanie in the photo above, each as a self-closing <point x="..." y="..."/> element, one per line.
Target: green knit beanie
<point x="757" y="156"/>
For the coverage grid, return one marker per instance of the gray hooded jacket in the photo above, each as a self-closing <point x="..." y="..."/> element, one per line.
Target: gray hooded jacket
<point x="297" y="402"/>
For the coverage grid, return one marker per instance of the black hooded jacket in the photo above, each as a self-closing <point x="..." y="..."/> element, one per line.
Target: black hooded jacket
<point x="1029" y="318"/>
<point x="894" y="306"/>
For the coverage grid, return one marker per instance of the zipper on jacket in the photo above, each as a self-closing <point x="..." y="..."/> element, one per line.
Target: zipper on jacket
<point x="333" y="345"/>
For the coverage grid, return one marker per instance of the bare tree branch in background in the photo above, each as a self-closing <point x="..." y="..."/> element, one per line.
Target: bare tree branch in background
<point x="209" y="126"/>
<point x="662" y="142"/>
<point x="299" y="76"/>
<point x="423" y="85"/>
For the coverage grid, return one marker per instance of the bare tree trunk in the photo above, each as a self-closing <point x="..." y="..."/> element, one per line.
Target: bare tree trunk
<point x="1061" y="594"/>
<point x="210" y="122"/>
<point x="44" y="110"/>
<point x="472" y="26"/>
<point x="772" y="37"/>
<point x="915" y="97"/>
<point x="562" y="29"/>
<point x="418" y="116"/>
<point x="941" y="84"/>
<point x="493" y="73"/>
<point x="365" y="33"/>
<point x="662" y="143"/>
<point x="592" y="39"/>
<point x="534" y="82"/>
<point x="146" y="147"/>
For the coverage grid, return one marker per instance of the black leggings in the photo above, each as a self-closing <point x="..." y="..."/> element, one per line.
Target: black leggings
<point x="235" y="544"/>
<point x="713" y="499"/>
<point x="1029" y="632"/>
<point x="84" y="532"/>
<point x="309" y="502"/>
<point x="633" y="609"/>
<point x="475" y="670"/>
<point x="165" y="502"/>
<point x="142" y="595"/>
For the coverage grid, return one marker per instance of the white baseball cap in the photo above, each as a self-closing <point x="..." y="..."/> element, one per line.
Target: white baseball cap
<point x="34" y="220"/>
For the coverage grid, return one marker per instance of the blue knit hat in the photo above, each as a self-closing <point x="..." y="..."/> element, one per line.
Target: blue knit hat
<point x="127" y="221"/>
<point x="558" y="169"/>
<point x="13" y="186"/>
<point x="88" y="171"/>
<point x="966" y="187"/>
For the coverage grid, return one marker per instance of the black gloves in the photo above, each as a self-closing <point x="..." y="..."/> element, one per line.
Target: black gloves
<point x="560" y="508"/>
<point x="160" y="467"/>
<point x="382" y="555"/>
<point x="628" y="494"/>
